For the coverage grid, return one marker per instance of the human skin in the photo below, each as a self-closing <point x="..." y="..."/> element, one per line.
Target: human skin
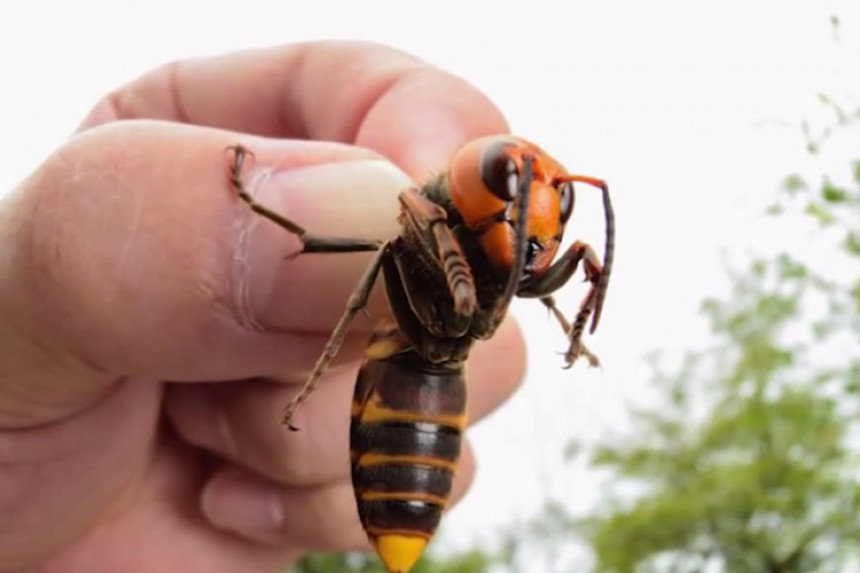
<point x="151" y="330"/>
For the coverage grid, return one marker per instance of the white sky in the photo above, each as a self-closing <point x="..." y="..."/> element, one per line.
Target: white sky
<point x="689" y="109"/>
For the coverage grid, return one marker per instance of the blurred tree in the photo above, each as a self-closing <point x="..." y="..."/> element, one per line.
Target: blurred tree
<point x="751" y="462"/>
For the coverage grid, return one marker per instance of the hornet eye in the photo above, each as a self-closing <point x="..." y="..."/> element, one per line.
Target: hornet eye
<point x="567" y="198"/>
<point x="499" y="171"/>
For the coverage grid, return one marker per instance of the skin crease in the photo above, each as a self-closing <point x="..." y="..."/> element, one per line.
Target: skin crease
<point x="150" y="332"/>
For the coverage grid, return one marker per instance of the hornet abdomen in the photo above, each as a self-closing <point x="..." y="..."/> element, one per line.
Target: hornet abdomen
<point x="408" y="416"/>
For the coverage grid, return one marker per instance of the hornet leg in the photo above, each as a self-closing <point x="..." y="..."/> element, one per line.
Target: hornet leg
<point x="428" y="223"/>
<point x="356" y="302"/>
<point x="310" y="243"/>
<point x="557" y="276"/>
<point x="577" y="348"/>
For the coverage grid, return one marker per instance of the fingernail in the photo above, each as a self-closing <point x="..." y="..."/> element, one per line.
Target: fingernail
<point x="244" y="504"/>
<point x="345" y="198"/>
<point x="355" y="199"/>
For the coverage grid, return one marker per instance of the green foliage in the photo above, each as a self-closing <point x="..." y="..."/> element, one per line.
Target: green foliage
<point x="749" y="465"/>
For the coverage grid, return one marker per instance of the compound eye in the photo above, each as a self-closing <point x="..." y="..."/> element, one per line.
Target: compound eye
<point x="499" y="171"/>
<point x="567" y="199"/>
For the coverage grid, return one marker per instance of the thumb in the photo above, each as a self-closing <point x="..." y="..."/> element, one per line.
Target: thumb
<point x="128" y="253"/>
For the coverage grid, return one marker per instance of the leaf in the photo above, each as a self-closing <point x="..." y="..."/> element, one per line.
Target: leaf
<point x="774" y="209"/>
<point x="794" y="184"/>
<point x="822" y="215"/>
<point x="791" y="268"/>
<point x="852" y="242"/>
<point x="832" y="193"/>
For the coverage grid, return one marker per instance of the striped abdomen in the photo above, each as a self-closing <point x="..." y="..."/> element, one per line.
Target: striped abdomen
<point x="408" y="416"/>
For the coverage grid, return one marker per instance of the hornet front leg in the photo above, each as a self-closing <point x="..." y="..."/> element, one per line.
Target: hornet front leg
<point x="310" y="243"/>
<point x="557" y="276"/>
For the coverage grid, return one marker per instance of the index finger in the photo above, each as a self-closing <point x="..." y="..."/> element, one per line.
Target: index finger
<point x="353" y="92"/>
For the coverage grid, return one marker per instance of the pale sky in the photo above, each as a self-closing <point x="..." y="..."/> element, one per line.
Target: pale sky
<point x="689" y="109"/>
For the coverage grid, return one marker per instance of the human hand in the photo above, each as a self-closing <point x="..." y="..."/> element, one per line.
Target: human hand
<point x="151" y="333"/>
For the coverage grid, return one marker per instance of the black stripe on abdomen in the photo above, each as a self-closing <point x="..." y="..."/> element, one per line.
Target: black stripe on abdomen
<point x="399" y="515"/>
<point x="425" y="439"/>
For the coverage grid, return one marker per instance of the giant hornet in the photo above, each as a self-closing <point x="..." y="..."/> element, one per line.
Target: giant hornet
<point x="471" y="239"/>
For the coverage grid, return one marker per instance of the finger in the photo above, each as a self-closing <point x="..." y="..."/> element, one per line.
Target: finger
<point x="240" y="421"/>
<point x="157" y="526"/>
<point x="128" y="253"/>
<point x="322" y="518"/>
<point x="60" y="480"/>
<point x="352" y="92"/>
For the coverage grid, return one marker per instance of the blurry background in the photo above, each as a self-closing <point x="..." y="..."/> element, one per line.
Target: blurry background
<point x="692" y="111"/>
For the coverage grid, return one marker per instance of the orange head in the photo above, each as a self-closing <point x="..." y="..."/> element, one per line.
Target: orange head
<point x="484" y="180"/>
